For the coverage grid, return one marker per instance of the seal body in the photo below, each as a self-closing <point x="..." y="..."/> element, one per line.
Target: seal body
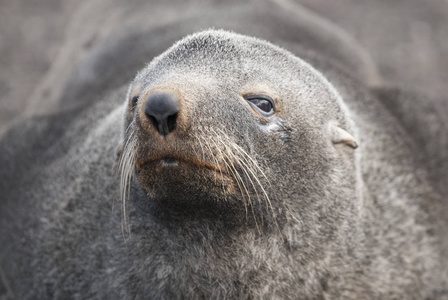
<point x="242" y="172"/>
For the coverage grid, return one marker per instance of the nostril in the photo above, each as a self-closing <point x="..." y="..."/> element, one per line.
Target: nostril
<point x="171" y="120"/>
<point x="153" y="121"/>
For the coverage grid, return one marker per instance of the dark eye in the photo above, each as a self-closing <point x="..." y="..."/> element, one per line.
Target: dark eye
<point x="263" y="103"/>
<point x="134" y="101"/>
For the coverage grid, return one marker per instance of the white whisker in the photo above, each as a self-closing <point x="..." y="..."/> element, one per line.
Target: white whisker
<point x="126" y="168"/>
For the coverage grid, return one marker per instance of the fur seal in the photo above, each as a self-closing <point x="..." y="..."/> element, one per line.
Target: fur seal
<point x="243" y="173"/>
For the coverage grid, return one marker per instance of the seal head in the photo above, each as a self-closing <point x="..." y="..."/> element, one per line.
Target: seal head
<point x="217" y="139"/>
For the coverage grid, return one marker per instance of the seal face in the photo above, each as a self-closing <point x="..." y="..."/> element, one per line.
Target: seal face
<point x="211" y="139"/>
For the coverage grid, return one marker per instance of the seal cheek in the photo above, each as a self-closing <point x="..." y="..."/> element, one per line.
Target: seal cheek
<point x="278" y="126"/>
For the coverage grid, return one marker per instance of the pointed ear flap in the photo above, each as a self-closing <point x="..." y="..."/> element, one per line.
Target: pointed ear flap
<point x="340" y="136"/>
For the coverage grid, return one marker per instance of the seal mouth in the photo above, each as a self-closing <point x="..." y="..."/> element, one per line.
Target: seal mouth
<point x="169" y="161"/>
<point x="173" y="161"/>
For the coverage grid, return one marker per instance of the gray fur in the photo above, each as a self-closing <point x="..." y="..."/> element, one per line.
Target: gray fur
<point x="344" y="223"/>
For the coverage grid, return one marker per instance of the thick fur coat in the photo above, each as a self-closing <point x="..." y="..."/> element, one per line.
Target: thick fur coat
<point x="341" y="193"/>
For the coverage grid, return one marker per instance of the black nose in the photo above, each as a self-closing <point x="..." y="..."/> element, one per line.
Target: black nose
<point x="162" y="109"/>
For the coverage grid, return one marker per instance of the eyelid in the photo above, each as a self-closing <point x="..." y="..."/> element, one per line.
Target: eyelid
<point x="258" y="96"/>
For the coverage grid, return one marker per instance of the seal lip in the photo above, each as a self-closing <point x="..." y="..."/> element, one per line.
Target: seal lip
<point x="181" y="159"/>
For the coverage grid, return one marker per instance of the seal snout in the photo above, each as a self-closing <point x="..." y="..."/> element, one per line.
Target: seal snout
<point x="162" y="108"/>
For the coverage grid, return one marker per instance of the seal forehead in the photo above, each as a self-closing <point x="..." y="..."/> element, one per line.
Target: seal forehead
<point x="221" y="52"/>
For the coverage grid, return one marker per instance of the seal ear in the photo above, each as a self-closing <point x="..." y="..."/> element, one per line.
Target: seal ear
<point x="340" y="136"/>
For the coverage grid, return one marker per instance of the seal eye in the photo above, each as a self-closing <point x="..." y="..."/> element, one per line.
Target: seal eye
<point x="263" y="104"/>
<point x="134" y="101"/>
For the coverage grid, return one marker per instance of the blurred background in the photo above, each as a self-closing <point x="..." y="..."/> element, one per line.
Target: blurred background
<point x="407" y="39"/>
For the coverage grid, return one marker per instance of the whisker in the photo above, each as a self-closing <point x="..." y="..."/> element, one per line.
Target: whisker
<point x="231" y="168"/>
<point x="213" y="156"/>
<point x="126" y="168"/>
<point x="248" y="163"/>
<point x="235" y="158"/>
